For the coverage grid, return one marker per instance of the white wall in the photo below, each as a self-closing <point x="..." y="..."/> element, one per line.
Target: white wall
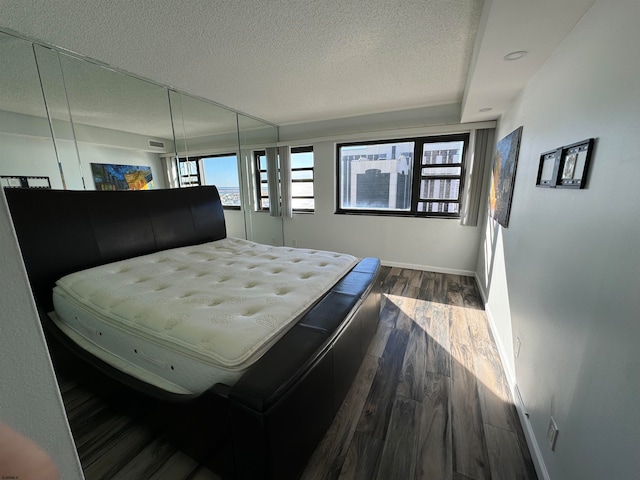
<point x="234" y="221"/>
<point x="30" y="400"/>
<point x="423" y="243"/>
<point x="564" y="276"/>
<point x="26" y="149"/>
<point x="29" y="156"/>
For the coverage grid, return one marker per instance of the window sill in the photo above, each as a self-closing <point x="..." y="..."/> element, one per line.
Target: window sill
<point x="374" y="213"/>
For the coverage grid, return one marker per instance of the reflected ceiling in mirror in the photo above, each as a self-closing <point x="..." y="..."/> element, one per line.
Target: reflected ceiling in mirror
<point x="19" y="78"/>
<point x="256" y="132"/>
<point x="104" y="98"/>
<point x="202" y="127"/>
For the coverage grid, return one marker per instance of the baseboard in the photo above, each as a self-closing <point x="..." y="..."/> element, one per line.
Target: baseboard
<point x="429" y="268"/>
<point x="483" y="294"/>
<point x="532" y="442"/>
<point x="511" y="375"/>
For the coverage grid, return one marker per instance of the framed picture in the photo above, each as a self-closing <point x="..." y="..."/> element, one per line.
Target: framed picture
<point x="10" y="181"/>
<point x="575" y="164"/>
<point x="121" y="177"/>
<point x="566" y="167"/>
<point x="548" y="168"/>
<point x="505" y="162"/>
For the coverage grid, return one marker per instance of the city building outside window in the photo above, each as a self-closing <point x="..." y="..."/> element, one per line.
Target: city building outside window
<point x="418" y="176"/>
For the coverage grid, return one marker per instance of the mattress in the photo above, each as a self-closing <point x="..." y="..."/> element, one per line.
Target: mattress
<point x="187" y="318"/>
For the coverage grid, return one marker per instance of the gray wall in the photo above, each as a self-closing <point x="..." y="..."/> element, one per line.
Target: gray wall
<point x="30" y="400"/>
<point x="564" y="276"/>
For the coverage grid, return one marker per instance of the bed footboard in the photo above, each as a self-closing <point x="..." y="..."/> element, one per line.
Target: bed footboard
<point x="282" y="407"/>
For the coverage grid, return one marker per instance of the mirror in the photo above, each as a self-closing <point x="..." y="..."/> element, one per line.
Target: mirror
<point x="255" y="136"/>
<point x="53" y="88"/>
<point x="77" y="123"/>
<point x="121" y="125"/>
<point x="26" y="146"/>
<point x="207" y="151"/>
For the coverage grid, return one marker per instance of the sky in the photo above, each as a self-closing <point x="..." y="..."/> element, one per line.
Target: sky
<point x="223" y="171"/>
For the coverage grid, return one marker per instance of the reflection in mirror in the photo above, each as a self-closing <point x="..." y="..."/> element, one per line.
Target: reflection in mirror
<point x="93" y="124"/>
<point x="255" y="137"/>
<point x="26" y="146"/>
<point x="207" y="153"/>
<point x="55" y="96"/>
<point x="117" y="120"/>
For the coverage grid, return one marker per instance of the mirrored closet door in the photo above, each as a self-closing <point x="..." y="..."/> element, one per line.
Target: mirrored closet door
<point x="27" y="151"/>
<point x="83" y="125"/>
<point x="262" y="223"/>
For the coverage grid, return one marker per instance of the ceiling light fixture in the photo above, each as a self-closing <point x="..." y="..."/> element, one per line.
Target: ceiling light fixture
<point x="486" y="109"/>
<point x="515" y="55"/>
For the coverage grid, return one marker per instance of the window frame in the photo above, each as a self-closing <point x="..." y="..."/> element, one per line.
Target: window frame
<point x="201" y="176"/>
<point x="258" y="179"/>
<point x="187" y="160"/>
<point x="307" y="149"/>
<point x="416" y="176"/>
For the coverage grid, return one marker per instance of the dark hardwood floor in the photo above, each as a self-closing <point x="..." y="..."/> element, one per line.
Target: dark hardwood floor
<point x="431" y="401"/>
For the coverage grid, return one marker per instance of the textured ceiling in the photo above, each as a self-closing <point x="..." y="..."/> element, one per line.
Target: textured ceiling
<point x="294" y="61"/>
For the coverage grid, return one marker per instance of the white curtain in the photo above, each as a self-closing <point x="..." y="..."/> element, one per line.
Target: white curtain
<point x="480" y="158"/>
<point x="284" y="153"/>
<point x="170" y="168"/>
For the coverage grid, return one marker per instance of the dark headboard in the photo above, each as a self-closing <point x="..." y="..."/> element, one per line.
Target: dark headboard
<point x="62" y="231"/>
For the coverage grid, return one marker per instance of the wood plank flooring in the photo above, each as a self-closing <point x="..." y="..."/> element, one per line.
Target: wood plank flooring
<point x="430" y="402"/>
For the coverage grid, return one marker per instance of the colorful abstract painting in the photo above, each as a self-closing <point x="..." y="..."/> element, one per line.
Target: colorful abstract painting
<point x="505" y="162"/>
<point x="121" y="177"/>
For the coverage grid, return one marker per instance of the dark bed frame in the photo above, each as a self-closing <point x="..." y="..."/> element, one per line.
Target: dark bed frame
<point x="282" y="406"/>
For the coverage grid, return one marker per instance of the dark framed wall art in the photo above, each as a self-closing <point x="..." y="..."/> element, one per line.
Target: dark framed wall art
<point x="505" y="162"/>
<point x="567" y="166"/>
<point x="121" y="177"/>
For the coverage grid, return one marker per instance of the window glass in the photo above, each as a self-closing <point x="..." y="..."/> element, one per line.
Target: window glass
<point x="376" y="176"/>
<point x="420" y="176"/>
<point x="222" y="171"/>
<point x="189" y="175"/>
<point x="302" y="193"/>
<point x="262" y="185"/>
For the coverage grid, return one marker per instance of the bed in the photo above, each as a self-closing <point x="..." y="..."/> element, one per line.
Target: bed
<point x="155" y="245"/>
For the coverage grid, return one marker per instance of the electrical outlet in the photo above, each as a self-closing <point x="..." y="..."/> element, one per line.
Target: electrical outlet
<point x="552" y="433"/>
<point x="294" y="242"/>
<point x="518" y="345"/>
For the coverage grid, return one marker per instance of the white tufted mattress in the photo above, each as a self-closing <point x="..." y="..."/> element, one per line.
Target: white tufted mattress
<point x="187" y="318"/>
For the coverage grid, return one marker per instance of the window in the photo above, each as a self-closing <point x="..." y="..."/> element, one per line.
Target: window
<point x="189" y="176"/>
<point x="262" y="182"/>
<point x="419" y="176"/>
<point x="220" y="170"/>
<point x="302" y="196"/>
<point x="302" y="191"/>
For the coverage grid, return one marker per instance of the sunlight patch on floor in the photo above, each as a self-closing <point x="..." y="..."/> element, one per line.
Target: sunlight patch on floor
<point x="462" y="333"/>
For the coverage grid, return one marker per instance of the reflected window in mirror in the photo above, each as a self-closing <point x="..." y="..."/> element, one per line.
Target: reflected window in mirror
<point x="262" y="181"/>
<point x="302" y="190"/>
<point x="220" y="170"/>
<point x="189" y="172"/>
